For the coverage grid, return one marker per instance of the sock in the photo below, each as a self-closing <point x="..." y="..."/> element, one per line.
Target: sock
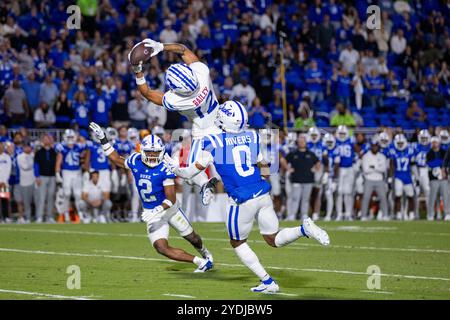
<point x="251" y="261"/>
<point x="198" y="261"/>
<point x="288" y="235"/>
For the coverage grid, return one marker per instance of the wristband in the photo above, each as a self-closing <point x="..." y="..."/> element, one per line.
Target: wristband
<point x="168" y="202"/>
<point x="140" y="81"/>
<point x="107" y="149"/>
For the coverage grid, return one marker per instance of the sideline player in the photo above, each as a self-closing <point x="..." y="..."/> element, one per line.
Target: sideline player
<point x="191" y="93"/>
<point x="237" y="156"/>
<point x="156" y="187"/>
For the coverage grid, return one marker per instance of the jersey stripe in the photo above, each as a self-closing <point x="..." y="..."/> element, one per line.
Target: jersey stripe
<point x="167" y="105"/>
<point x="236" y="215"/>
<point x="242" y="115"/>
<point x="219" y="141"/>
<point x="230" y="229"/>
<point x="183" y="78"/>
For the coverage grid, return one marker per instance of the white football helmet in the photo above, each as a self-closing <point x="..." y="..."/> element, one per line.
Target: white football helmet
<point x="444" y="136"/>
<point x="70" y="136"/>
<point x="111" y="134"/>
<point x="314" y="134"/>
<point x="424" y="137"/>
<point x="158" y="130"/>
<point x="291" y="138"/>
<point x="384" y="139"/>
<point x="152" y="150"/>
<point x="133" y="135"/>
<point x="181" y="80"/>
<point x="329" y="141"/>
<point x="400" y="142"/>
<point x="342" y="133"/>
<point x="266" y="136"/>
<point x="232" y="117"/>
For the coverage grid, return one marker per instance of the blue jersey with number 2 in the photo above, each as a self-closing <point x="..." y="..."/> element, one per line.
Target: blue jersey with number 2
<point x="149" y="180"/>
<point x="235" y="159"/>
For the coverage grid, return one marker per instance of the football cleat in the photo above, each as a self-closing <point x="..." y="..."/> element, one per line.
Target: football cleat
<point x="315" y="232"/>
<point x="208" y="190"/>
<point x="206" y="266"/>
<point x="268" y="286"/>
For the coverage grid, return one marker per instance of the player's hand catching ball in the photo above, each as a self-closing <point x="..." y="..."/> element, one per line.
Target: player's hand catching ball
<point x="98" y="131"/>
<point x="171" y="163"/>
<point x="155" y="45"/>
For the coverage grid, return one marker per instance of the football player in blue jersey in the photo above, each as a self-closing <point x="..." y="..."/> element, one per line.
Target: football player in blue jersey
<point x="156" y="187"/>
<point x="68" y="169"/>
<point x="329" y="143"/>
<point x="444" y="136"/>
<point x="314" y="144"/>
<point x="402" y="166"/>
<point x="98" y="161"/>
<point x="421" y="149"/>
<point x="345" y="154"/>
<point x="237" y="157"/>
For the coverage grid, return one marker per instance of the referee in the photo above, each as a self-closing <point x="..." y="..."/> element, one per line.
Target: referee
<point x="301" y="165"/>
<point x="438" y="179"/>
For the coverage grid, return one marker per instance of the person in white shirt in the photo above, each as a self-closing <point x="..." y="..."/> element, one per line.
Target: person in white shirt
<point x="25" y="162"/>
<point x="243" y="92"/>
<point x="349" y="57"/>
<point x="94" y="200"/>
<point x="5" y="172"/>
<point x="44" y="117"/>
<point x="168" y="34"/>
<point x="398" y="42"/>
<point x="374" y="165"/>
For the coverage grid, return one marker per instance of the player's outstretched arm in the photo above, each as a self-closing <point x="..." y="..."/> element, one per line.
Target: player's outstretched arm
<point x="107" y="147"/>
<point x="187" y="55"/>
<point x="186" y="173"/>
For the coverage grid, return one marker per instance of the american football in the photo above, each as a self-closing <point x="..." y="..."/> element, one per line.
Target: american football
<point x="140" y="53"/>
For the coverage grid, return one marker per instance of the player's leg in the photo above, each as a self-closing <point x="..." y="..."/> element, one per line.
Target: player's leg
<point x="77" y="186"/>
<point x="381" y="190"/>
<point x="446" y="199"/>
<point x="409" y="192"/>
<point x="340" y="195"/>
<point x="398" y="193"/>
<point x="239" y="225"/>
<point x="369" y="186"/>
<point x="181" y="224"/>
<point x="349" y="193"/>
<point x="158" y="234"/>
<point x="432" y="200"/>
<point x="276" y="192"/>
<point x="330" y="189"/>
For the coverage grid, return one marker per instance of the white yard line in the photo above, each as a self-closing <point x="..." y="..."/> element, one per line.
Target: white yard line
<point x="106" y="234"/>
<point x="47" y="295"/>
<point x="377" y="291"/>
<point x="178" y="295"/>
<point x="220" y="264"/>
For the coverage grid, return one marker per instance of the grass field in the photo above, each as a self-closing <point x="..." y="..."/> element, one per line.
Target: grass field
<point x="117" y="262"/>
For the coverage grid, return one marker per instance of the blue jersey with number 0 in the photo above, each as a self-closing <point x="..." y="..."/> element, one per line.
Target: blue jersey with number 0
<point x="235" y="159"/>
<point x="149" y="181"/>
<point x="70" y="155"/>
<point x="98" y="159"/>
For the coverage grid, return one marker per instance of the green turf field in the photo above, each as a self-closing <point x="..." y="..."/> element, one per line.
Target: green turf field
<point x="117" y="262"/>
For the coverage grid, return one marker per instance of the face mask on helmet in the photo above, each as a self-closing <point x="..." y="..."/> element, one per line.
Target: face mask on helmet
<point x="181" y="80"/>
<point x="133" y="135"/>
<point x="152" y="151"/>
<point x="69" y="137"/>
<point x="314" y="135"/>
<point x="444" y="136"/>
<point x="111" y="134"/>
<point x="342" y="135"/>
<point x="424" y="137"/>
<point x="400" y="143"/>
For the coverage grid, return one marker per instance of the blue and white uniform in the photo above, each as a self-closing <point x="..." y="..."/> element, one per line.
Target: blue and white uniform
<point x="124" y="147"/>
<point x="318" y="149"/>
<point x="99" y="161"/>
<point x="420" y="154"/>
<point x="235" y="156"/>
<point x="344" y="153"/>
<point x="71" y="170"/>
<point x="403" y="159"/>
<point x="150" y="183"/>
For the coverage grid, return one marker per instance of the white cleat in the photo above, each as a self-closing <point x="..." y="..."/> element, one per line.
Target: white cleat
<point x="269" y="286"/>
<point x="315" y="216"/>
<point x="339" y="217"/>
<point x="205" y="266"/>
<point x="315" y="232"/>
<point x="327" y="218"/>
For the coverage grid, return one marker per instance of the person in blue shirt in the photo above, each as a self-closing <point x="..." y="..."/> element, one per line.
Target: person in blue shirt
<point x="345" y="153"/>
<point x="237" y="158"/>
<point x="156" y="188"/>
<point x="314" y="78"/>
<point x="401" y="172"/>
<point x="375" y="87"/>
<point x="68" y="169"/>
<point x="421" y="148"/>
<point x="122" y="145"/>
<point x="257" y="114"/>
<point x="344" y="85"/>
<point x="100" y="107"/>
<point x="32" y="89"/>
<point x="81" y="109"/>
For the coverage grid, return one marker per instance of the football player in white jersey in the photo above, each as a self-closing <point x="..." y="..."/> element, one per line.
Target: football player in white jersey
<point x="421" y="149"/>
<point x="190" y="93"/>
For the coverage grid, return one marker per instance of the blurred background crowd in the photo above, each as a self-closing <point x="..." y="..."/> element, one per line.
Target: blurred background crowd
<point x="338" y="71"/>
